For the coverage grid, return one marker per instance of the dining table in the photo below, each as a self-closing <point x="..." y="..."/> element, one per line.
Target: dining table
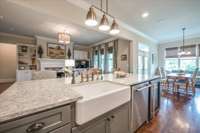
<point x="179" y="76"/>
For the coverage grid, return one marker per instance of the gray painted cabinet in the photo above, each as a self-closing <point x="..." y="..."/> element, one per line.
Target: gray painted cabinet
<point x="57" y="120"/>
<point x="120" y="121"/>
<point x="116" y="121"/>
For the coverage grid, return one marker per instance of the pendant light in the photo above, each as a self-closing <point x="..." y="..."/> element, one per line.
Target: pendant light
<point x="104" y="23"/>
<point x="114" y="28"/>
<point x="183" y="52"/>
<point x="63" y="37"/>
<point x="91" y="18"/>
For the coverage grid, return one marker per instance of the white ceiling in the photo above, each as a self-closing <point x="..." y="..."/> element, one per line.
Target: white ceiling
<point x="166" y="19"/>
<point x="47" y="17"/>
<point x="22" y="20"/>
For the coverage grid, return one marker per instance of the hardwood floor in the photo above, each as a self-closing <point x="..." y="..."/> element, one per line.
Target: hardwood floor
<point x="4" y="86"/>
<point x="178" y="114"/>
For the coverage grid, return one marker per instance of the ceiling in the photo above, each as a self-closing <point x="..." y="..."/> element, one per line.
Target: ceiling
<point x="166" y="19"/>
<point x="47" y="18"/>
<point x="22" y="20"/>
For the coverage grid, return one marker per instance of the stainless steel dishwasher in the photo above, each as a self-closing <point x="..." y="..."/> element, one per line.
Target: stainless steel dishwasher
<point x="140" y="104"/>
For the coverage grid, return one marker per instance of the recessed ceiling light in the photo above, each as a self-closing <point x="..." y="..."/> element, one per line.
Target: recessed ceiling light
<point x="145" y="15"/>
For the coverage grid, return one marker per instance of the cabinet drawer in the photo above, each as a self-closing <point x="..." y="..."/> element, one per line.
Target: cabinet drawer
<point x="64" y="129"/>
<point x="43" y="122"/>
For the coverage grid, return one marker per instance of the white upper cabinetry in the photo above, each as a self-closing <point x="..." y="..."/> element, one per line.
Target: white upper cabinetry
<point x="80" y="55"/>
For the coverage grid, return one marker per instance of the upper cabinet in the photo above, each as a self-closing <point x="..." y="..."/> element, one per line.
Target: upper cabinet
<point x="80" y="55"/>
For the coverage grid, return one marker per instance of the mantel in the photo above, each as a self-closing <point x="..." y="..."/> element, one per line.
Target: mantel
<point x="46" y="63"/>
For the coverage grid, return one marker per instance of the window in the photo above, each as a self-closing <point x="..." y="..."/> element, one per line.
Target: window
<point x="188" y="64"/>
<point x="96" y="59"/>
<point x="143" y="60"/>
<point x="171" y="64"/>
<point x="102" y="60"/>
<point x="110" y="62"/>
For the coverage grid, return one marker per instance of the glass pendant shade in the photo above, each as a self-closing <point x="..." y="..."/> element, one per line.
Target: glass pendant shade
<point x="104" y="24"/>
<point x="114" y="28"/>
<point x="91" y="18"/>
<point x="63" y="38"/>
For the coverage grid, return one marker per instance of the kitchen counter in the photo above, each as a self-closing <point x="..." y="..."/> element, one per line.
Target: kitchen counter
<point x="130" y="79"/>
<point x="27" y="97"/>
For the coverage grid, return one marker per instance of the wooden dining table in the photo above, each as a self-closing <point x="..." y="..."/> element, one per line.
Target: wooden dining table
<point x="178" y="76"/>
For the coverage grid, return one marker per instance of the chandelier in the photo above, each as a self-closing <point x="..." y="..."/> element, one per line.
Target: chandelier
<point x="91" y="19"/>
<point x="182" y="51"/>
<point x="63" y="37"/>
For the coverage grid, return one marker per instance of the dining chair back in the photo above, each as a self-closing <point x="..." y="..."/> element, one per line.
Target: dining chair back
<point x="162" y="72"/>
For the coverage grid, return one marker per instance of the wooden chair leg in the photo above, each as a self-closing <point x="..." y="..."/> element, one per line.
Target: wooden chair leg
<point x="193" y="90"/>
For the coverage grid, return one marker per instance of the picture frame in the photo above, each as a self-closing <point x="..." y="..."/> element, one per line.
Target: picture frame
<point x="124" y="57"/>
<point x="56" y="51"/>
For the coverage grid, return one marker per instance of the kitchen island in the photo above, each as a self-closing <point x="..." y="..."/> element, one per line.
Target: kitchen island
<point x="51" y="106"/>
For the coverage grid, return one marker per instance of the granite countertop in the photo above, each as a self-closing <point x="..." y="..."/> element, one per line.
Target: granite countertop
<point x="130" y="79"/>
<point x="27" y="97"/>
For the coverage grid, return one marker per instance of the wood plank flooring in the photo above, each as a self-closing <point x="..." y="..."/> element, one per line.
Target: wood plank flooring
<point x="178" y="114"/>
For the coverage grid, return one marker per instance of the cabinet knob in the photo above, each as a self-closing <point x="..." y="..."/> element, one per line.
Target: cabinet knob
<point x="112" y="116"/>
<point x="35" y="127"/>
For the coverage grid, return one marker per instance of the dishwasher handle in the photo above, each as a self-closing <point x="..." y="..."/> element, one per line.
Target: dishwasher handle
<point x="140" y="89"/>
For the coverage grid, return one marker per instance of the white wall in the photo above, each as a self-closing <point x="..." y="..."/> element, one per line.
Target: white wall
<point x="178" y="43"/>
<point x="8" y="62"/>
<point x="123" y="49"/>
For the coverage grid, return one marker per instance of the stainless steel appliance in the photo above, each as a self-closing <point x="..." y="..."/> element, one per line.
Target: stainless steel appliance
<point x="140" y="104"/>
<point x="154" y="98"/>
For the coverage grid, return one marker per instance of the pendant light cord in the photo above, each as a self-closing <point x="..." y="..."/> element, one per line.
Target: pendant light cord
<point x="106" y="6"/>
<point x="183" y="38"/>
<point x="101" y="5"/>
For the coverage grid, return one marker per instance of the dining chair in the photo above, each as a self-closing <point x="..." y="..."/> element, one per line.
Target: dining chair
<point x="186" y="83"/>
<point x="161" y="72"/>
<point x="192" y="82"/>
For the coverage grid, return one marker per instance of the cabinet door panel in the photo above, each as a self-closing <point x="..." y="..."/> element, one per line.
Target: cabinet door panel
<point x="120" y="121"/>
<point x="99" y="127"/>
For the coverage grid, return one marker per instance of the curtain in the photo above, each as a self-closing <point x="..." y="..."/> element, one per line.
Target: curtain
<point x="171" y="52"/>
<point x="191" y="49"/>
<point x="115" y="53"/>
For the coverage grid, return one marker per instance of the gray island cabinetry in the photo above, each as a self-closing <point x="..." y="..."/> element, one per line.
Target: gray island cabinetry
<point x="115" y="121"/>
<point x="57" y="120"/>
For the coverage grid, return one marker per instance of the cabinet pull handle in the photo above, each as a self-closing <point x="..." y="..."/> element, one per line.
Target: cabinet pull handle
<point x="112" y="116"/>
<point x="35" y="127"/>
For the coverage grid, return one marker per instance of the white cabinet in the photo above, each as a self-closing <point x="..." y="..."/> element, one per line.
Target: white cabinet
<point x="80" y="55"/>
<point x="23" y="75"/>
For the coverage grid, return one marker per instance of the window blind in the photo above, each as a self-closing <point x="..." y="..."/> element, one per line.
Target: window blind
<point x="191" y="49"/>
<point x="171" y="52"/>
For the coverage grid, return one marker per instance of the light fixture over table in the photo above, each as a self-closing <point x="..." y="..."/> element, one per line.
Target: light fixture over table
<point x="182" y="51"/>
<point x="91" y="19"/>
<point x="63" y="37"/>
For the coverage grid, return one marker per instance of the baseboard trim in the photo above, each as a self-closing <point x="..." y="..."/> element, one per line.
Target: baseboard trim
<point x="7" y="80"/>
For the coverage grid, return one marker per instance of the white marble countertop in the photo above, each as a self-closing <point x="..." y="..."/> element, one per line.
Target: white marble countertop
<point x="27" y="97"/>
<point x="130" y="79"/>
